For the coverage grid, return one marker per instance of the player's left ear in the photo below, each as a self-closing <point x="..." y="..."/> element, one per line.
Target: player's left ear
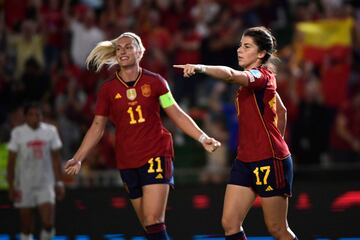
<point x="261" y="54"/>
<point x="138" y="55"/>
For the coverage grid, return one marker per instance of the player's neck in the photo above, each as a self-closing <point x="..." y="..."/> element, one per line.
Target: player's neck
<point x="34" y="126"/>
<point x="129" y="74"/>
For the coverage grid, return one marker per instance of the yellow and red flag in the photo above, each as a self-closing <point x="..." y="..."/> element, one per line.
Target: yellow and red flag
<point x="332" y="37"/>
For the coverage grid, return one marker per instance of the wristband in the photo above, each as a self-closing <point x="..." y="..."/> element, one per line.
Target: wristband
<point x="202" y="138"/>
<point x="200" y="68"/>
<point x="77" y="161"/>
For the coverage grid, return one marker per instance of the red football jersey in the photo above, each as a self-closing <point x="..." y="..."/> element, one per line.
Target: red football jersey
<point x="259" y="137"/>
<point x="135" y="112"/>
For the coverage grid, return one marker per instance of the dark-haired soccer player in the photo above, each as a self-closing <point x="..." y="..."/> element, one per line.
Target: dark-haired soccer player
<point x="263" y="166"/>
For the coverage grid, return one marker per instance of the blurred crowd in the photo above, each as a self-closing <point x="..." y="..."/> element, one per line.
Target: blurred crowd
<point x="44" y="43"/>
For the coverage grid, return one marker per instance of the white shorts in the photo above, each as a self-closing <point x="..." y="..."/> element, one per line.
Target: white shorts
<point x="32" y="197"/>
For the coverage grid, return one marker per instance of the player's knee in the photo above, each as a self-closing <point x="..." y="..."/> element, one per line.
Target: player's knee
<point x="48" y="225"/>
<point x="276" y="230"/>
<point x="229" y="225"/>
<point x="150" y="219"/>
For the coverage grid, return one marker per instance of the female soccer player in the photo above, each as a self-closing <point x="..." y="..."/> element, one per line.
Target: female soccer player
<point x="144" y="149"/>
<point x="263" y="166"/>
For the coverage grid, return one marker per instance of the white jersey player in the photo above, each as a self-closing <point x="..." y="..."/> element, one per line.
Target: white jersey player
<point x="34" y="172"/>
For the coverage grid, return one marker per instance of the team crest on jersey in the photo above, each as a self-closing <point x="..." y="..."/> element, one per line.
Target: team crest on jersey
<point x="146" y="90"/>
<point x="131" y="94"/>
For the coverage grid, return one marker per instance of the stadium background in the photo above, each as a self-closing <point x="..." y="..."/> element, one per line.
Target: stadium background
<point x="43" y="44"/>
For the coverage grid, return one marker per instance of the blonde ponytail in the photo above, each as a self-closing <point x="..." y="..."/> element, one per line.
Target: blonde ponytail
<point x="103" y="53"/>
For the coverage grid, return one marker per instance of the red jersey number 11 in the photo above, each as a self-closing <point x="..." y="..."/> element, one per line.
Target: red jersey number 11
<point x="140" y="119"/>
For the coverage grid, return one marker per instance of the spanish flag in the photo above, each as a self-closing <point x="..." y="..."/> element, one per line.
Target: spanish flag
<point x="331" y="37"/>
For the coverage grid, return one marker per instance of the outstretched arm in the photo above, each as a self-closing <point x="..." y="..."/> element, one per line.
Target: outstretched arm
<point x="188" y="126"/>
<point x="224" y="73"/>
<point x="91" y="138"/>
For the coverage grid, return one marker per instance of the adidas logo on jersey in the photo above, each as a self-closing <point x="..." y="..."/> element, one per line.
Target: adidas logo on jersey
<point x="159" y="176"/>
<point x="117" y="96"/>
<point x="269" y="188"/>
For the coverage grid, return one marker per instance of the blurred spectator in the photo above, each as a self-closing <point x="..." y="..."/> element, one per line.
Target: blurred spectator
<point x="215" y="124"/>
<point x="16" y="12"/>
<point x="52" y="23"/>
<point x="5" y="88"/>
<point x="28" y="44"/>
<point x="216" y="163"/>
<point x="14" y="119"/>
<point x="64" y="71"/>
<point x="247" y="10"/>
<point x="36" y="82"/>
<point x="203" y="13"/>
<point x="85" y="34"/>
<point x="310" y="130"/>
<point x="119" y="14"/>
<point x="346" y="132"/>
<point x="219" y="46"/>
<point x="335" y="74"/>
<point x="3" y="33"/>
<point x="158" y="42"/>
<point x="187" y="43"/>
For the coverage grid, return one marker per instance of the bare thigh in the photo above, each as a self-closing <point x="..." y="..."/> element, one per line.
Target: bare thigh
<point x="154" y="203"/>
<point x="275" y="210"/>
<point x="275" y="214"/>
<point x="137" y="205"/>
<point x="238" y="200"/>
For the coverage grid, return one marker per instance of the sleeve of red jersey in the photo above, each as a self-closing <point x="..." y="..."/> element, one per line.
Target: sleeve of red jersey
<point x="102" y="102"/>
<point x="256" y="78"/>
<point x="163" y="86"/>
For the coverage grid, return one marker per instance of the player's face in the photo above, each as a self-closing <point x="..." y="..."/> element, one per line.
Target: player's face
<point x="127" y="52"/>
<point x="248" y="53"/>
<point x="33" y="117"/>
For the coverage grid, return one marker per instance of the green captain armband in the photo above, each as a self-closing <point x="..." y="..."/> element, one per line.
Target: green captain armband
<point x="166" y="100"/>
